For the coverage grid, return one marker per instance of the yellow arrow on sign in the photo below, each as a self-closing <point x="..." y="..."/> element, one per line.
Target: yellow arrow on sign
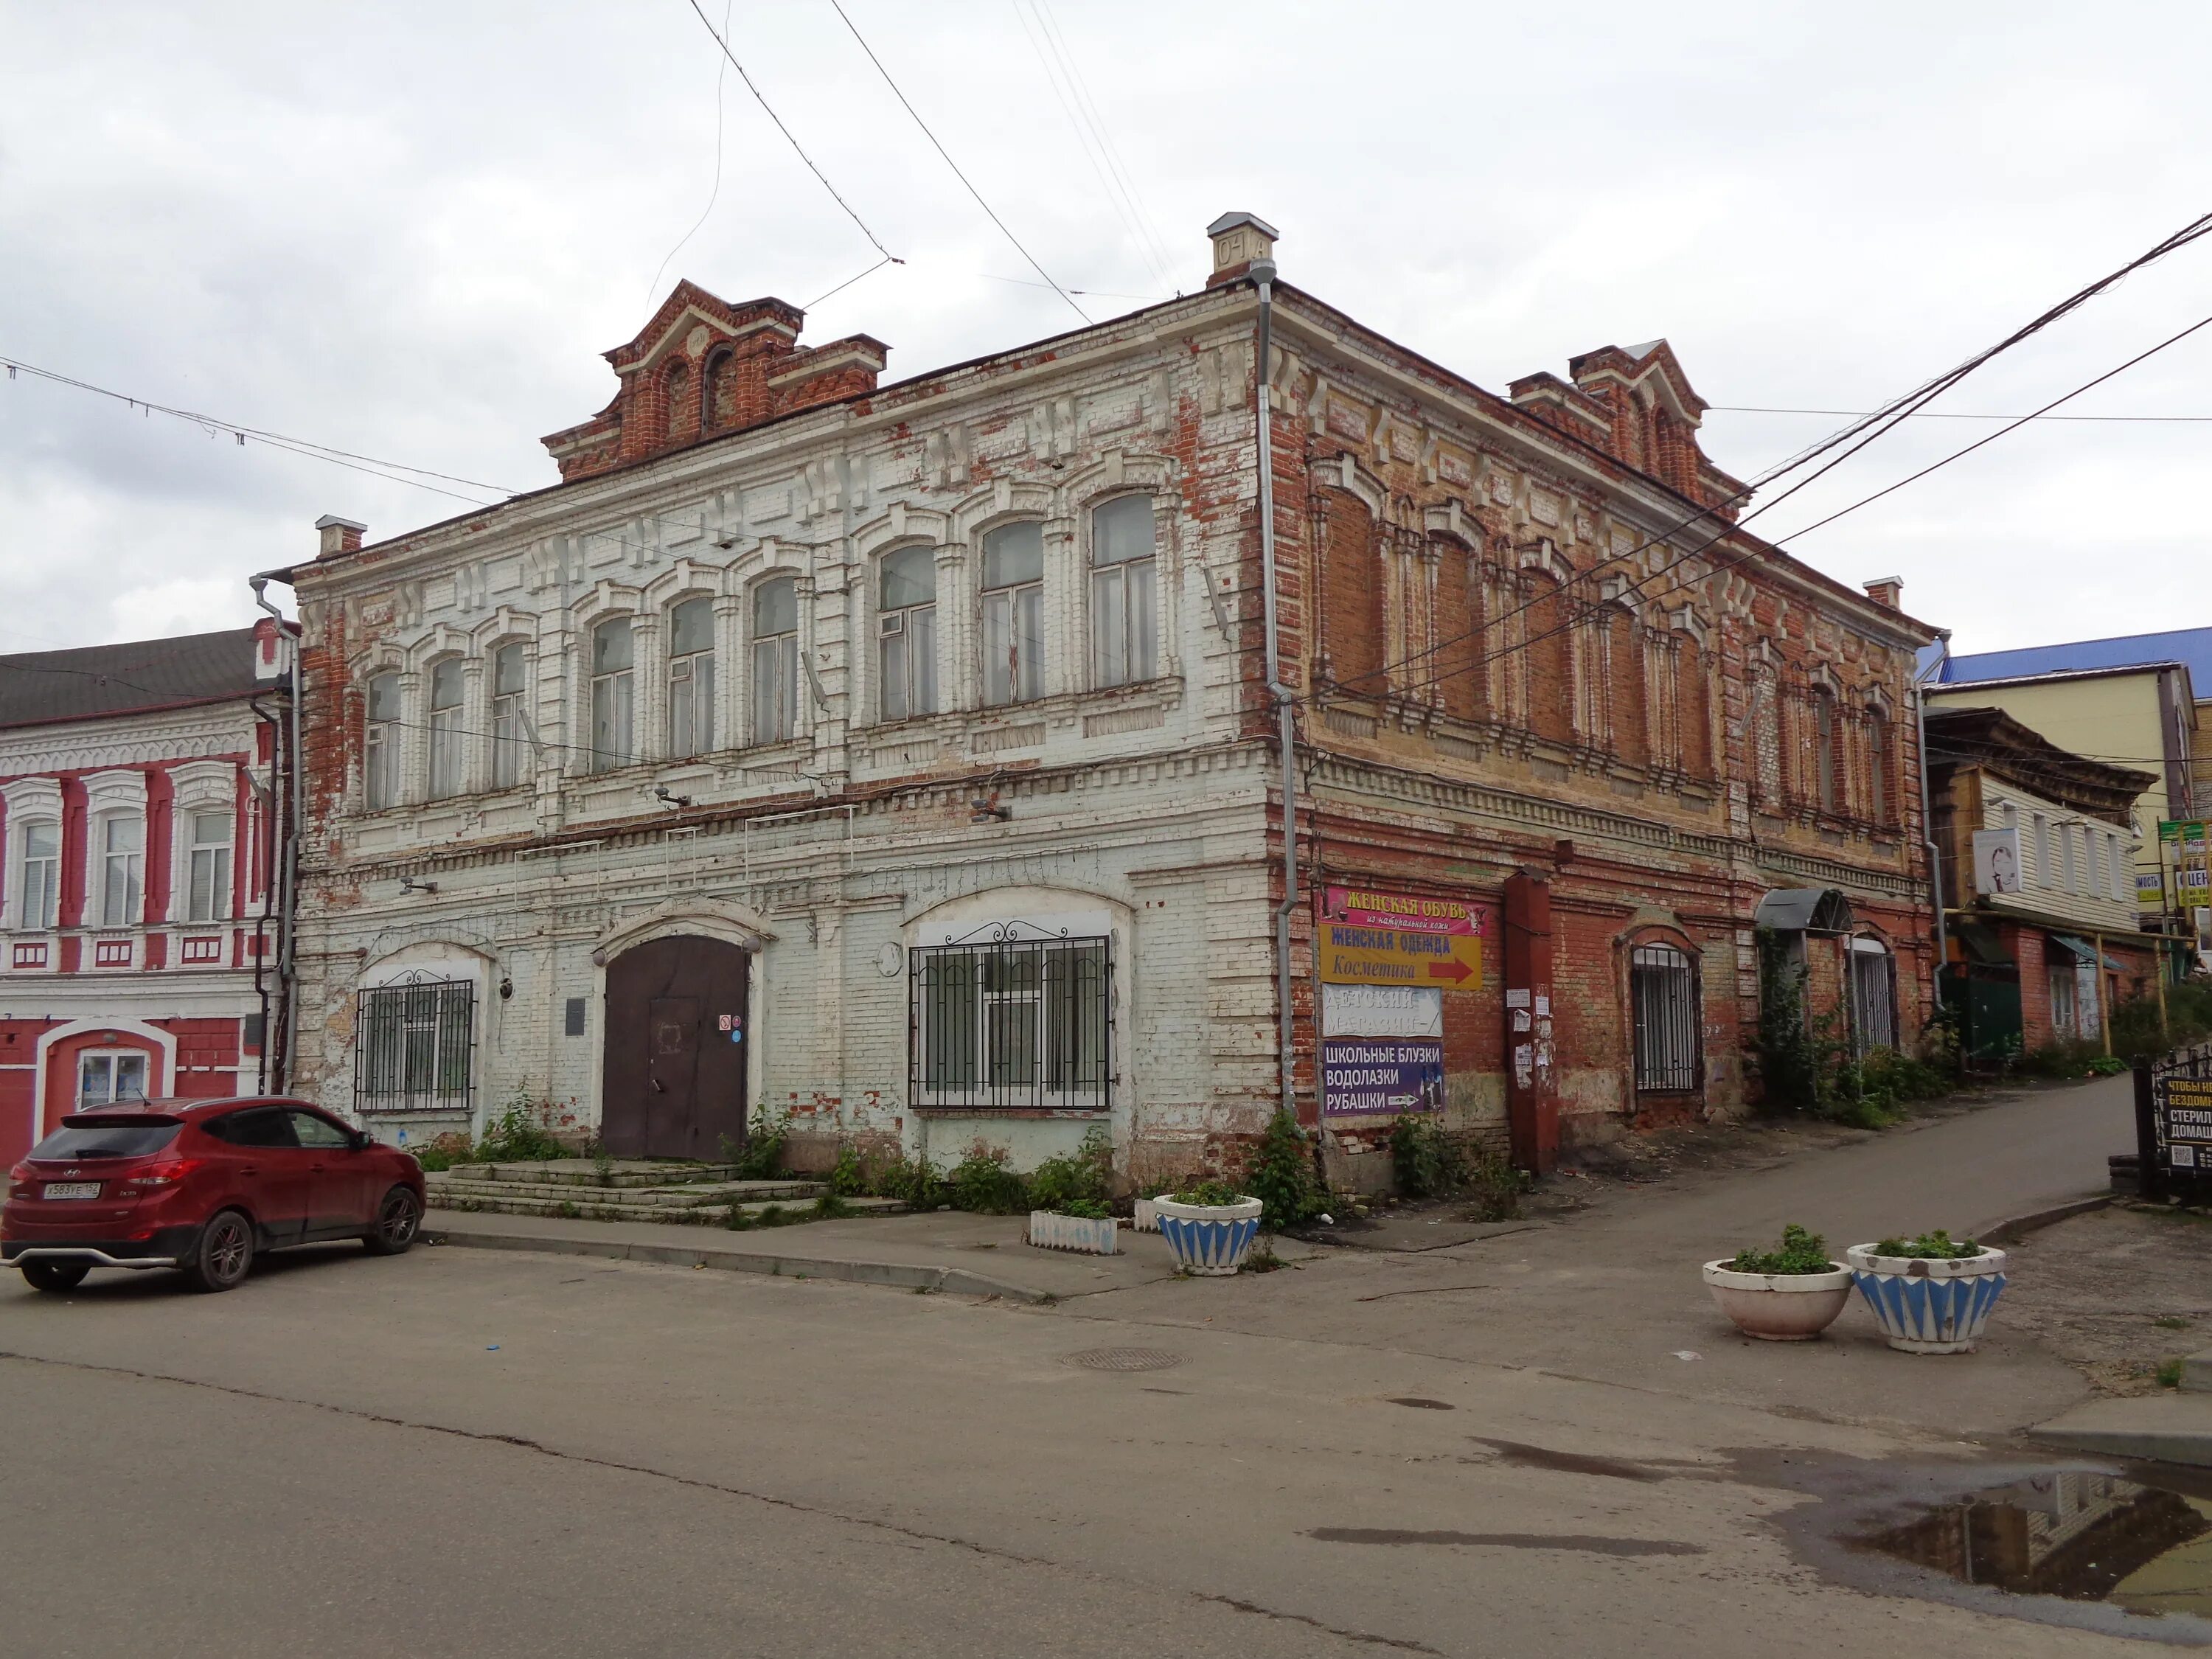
<point x="1353" y="955"/>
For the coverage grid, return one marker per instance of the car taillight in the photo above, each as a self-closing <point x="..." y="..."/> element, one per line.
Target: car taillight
<point x="158" y="1178"/>
<point x="19" y="1182"/>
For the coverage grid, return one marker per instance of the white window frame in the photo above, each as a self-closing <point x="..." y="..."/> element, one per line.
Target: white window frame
<point x="128" y="864"/>
<point x="510" y="720"/>
<point x="449" y="752"/>
<point x="691" y="687"/>
<point x="47" y="916"/>
<point x="114" y="1059"/>
<point x="219" y="858"/>
<point x="1125" y="624"/>
<point x="1011" y="615"/>
<point x="912" y="690"/>
<point x="772" y="684"/>
<point x="382" y="748"/>
<point x="612" y="692"/>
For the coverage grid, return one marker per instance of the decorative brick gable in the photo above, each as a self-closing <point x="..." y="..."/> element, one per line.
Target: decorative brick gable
<point x="702" y="366"/>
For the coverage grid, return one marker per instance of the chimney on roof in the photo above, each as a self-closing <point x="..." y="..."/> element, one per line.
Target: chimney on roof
<point x="1238" y="240"/>
<point x="1886" y="591"/>
<point x="339" y="535"/>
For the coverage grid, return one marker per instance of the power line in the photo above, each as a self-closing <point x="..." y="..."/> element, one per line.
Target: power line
<point x="1113" y="158"/>
<point x="1946" y="415"/>
<point x="1873" y="426"/>
<point x="213" y="425"/>
<point x="1057" y="69"/>
<point x="714" y="194"/>
<point x="1102" y="293"/>
<point x="705" y="24"/>
<point x="948" y="161"/>
<point x="1749" y="554"/>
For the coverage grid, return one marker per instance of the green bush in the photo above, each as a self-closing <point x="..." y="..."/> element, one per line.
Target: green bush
<point x="521" y="1133"/>
<point x="1802" y="1252"/>
<point x="2137" y="1034"/>
<point x="1424" y="1161"/>
<point x="1282" y="1176"/>
<point x="1936" y="1246"/>
<point x="1084" y="1176"/>
<point x="910" y="1181"/>
<point x="981" y="1184"/>
<point x="1089" y="1209"/>
<point x="434" y="1158"/>
<point x="846" y="1178"/>
<point x="759" y="1157"/>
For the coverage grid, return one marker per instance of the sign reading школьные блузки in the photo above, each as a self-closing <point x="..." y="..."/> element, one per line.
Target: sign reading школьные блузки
<point x="1385" y="961"/>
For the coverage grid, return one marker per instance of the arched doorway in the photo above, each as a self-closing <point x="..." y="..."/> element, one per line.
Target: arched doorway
<point x="673" y="1070"/>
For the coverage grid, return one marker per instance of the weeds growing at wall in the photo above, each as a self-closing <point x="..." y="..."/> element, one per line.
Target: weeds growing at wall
<point x="760" y="1157"/>
<point x="1084" y="1177"/>
<point x="1282" y="1176"/>
<point x="981" y="1184"/>
<point x="521" y="1133"/>
<point x="1805" y="1067"/>
<point x="1428" y="1161"/>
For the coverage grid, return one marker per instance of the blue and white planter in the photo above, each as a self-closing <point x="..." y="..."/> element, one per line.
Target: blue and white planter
<point x="1930" y="1307"/>
<point x="1210" y="1239"/>
<point x="1051" y="1230"/>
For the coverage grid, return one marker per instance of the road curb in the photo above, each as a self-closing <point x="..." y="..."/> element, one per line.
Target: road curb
<point x="898" y="1275"/>
<point x="2013" y="1228"/>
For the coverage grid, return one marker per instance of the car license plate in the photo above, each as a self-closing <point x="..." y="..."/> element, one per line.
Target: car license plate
<point x="72" y="1189"/>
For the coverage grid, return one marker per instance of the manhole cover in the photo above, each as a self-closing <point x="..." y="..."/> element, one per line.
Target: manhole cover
<point x="1125" y="1359"/>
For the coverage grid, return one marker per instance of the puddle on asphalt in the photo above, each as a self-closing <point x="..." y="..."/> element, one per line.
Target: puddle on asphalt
<point x="2079" y="1534"/>
<point x="2125" y="1549"/>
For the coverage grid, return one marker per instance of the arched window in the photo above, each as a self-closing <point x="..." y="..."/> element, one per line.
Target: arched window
<point x="1626" y="705"/>
<point x="448" y="753"/>
<point x="380" y="742"/>
<point x="207" y="896"/>
<point x="1124" y="636"/>
<point x="1662" y="995"/>
<point x="38" y="874"/>
<point x="1879" y="761"/>
<point x="1458" y="676"/>
<point x="906" y="633"/>
<point x="1014" y="613"/>
<point x="509" y="732"/>
<point x="1874" y="996"/>
<point x="1351" y="620"/>
<point x="1827" y="773"/>
<point x="691" y="677"/>
<point x="717" y="393"/>
<point x="1549" y="660"/>
<point x="1694" y="709"/>
<point x="614" y="694"/>
<point x="683" y="410"/>
<point x="775" y="660"/>
<point x="122" y="868"/>
<point x="1766" y="737"/>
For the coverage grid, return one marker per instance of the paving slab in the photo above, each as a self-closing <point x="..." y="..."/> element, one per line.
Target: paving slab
<point x="942" y="1250"/>
<point x="2196" y="1372"/>
<point x="1414" y="1232"/>
<point x="2167" y="1428"/>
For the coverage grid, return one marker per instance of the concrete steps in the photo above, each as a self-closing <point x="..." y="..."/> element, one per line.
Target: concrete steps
<point x="448" y="1188"/>
<point x="586" y="1206"/>
<point x="584" y="1172"/>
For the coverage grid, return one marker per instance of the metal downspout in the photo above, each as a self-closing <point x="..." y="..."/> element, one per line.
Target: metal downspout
<point x="1263" y="274"/>
<point x="1928" y="822"/>
<point x="286" y="962"/>
<point x="268" y="894"/>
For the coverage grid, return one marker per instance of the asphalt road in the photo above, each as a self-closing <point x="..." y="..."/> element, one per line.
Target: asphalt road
<point x="478" y="1454"/>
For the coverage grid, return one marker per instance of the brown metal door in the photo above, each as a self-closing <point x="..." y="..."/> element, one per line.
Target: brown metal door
<point x="674" y="1068"/>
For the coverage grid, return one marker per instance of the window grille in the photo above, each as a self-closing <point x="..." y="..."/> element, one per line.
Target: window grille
<point x="1873" y="997"/>
<point x="414" y="1043"/>
<point x="1662" y="989"/>
<point x="1005" y="1023"/>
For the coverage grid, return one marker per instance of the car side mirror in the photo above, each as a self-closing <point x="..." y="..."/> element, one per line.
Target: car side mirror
<point x="360" y="1140"/>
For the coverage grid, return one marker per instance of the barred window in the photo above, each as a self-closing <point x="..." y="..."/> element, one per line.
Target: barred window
<point x="413" y="1043"/>
<point x="1662" y="991"/>
<point x="1008" y="1024"/>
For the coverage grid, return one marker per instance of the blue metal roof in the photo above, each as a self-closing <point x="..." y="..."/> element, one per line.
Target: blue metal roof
<point x="2191" y="646"/>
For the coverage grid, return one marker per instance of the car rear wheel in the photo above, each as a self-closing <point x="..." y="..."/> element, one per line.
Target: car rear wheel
<point x="223" y="1254"/>
<point x="55" y="1275"/>
<point x="399" y="1219"/>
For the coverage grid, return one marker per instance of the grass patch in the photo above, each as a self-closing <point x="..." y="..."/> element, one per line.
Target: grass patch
<point x="2168" y="1374"/>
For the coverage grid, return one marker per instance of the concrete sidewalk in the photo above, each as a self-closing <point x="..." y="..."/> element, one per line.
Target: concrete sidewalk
<point x="942" y="1250"/>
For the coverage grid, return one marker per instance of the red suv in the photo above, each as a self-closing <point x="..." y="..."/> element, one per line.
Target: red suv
<point x="201" y="1185"/>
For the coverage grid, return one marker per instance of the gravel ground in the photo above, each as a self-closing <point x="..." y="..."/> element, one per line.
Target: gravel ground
<point x="2116" y="1293"/>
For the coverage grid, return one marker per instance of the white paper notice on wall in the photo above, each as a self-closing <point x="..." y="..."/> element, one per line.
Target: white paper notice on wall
<point x="1996" y="861"/>
<point x="1393" y="1010"/>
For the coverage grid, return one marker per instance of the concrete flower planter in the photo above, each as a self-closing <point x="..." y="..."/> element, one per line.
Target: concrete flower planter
<point x="1779" y="1307"/>
<point x="1050" y="1231"/>
<point x="1929" y="1306"/>
<point x="1209" y="1239"/>
<point x="1147" y="1216"/>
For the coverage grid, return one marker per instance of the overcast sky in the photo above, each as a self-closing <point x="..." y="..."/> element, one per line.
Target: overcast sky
<point x="409" y="230"/>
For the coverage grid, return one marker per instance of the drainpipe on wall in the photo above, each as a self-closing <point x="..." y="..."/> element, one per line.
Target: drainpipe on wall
<point x="288" y="901"/>
<point x="1928" y="819"/>
<point x="268" y="892"/>
<point x="1263" y="274"/>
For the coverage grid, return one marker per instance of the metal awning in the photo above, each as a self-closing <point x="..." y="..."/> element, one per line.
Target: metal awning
<point x="2082" y="951"/>
<point x="1804" y="910"/>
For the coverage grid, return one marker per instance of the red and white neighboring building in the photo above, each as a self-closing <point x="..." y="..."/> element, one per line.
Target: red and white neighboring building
<point x="140" y="935"/>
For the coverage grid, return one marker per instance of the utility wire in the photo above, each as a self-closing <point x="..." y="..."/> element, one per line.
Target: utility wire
<point x="1946" y="415"/>
<point x="1872" y="426"/>
<point x="1113" y="158"/>
<point x="713" y="195"/>
<point x="948" y="161"/>
<point x="707" y="24"/>
<point x="1749" y="554"/>
<point x="1101" y="292"/>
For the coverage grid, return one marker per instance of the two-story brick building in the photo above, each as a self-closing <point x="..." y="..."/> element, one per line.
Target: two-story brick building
<point x="139" y="913"/>
<point x="905" y="757"/>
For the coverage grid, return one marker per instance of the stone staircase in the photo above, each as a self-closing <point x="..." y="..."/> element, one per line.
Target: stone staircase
<point x="680" y="1195"/>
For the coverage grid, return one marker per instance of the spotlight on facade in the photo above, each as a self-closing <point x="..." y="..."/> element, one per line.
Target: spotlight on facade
<point x="409" y="884"/>
<point x="985" y="809"/>
<point x="660" y="792"/>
